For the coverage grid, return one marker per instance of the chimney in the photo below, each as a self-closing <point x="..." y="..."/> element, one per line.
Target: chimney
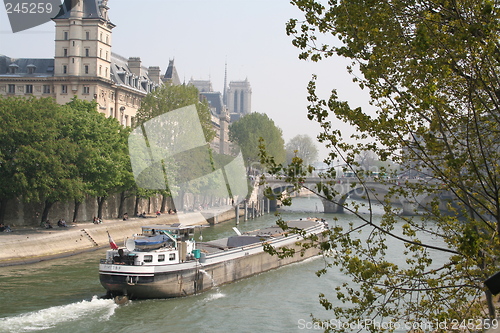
<point x="134" y="64"/>
<point x="154" y="74"/>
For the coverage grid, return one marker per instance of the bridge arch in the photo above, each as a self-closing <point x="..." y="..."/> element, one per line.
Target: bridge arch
<point x="349" y="188"/>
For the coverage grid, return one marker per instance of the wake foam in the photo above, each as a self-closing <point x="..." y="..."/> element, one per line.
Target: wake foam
<point x="214" y="296"/>
<point x="97" y="309"/>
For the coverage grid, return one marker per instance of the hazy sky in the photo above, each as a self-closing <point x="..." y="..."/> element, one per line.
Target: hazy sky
<point x="201" y="35"/>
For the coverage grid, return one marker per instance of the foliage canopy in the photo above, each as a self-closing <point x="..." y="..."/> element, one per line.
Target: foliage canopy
<point x="432" y="71"/>
<point x="248" y="131"/>
<point x="53" y="152"/>
<point x="303" y="147"/>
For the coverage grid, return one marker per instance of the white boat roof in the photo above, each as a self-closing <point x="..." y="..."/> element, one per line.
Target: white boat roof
<point x="174" y="226"/>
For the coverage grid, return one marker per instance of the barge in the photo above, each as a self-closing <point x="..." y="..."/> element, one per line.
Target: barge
<point x="165" y="261"/>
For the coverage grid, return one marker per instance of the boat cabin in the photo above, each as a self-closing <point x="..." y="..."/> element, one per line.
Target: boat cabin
<point x="156" y="245"/>
<point x="178" y="231"/>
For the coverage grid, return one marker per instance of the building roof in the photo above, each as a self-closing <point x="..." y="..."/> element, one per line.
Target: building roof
<point x="90" y="9"/>
<point x="121" y="75"/>
<point x="171" y="74"/>
<point x="29" y="67"/>
<point x="214" y="99"/>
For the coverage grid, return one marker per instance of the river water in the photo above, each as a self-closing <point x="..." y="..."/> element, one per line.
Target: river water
<point x="62" y="295"/>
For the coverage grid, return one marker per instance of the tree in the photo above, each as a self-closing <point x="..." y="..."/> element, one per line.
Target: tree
<point x="247" y="131"/>
<point x="180" y="167"/>
<point x="302" y="146"/>
<point x="432" y="70"/>
<point x="102" y="158"/>
<point x="35" y="158"/>
<point x="168" y="98"/>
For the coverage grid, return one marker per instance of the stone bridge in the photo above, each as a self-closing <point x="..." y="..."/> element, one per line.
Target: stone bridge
<point x="350" y="187"/>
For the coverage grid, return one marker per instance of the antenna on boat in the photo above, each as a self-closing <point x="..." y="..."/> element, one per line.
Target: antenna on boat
<point x="237" y="231"/>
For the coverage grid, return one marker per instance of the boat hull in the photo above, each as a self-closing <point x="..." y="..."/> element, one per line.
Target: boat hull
<point x="195" y="277"/>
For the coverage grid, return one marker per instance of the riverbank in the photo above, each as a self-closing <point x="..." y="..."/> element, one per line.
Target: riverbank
<point x="29" y="245"/>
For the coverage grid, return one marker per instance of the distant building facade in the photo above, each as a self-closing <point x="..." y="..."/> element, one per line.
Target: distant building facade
<point x="239" y="99"/>
<point x="225" y="108"/>
<point x="85" y="66"/>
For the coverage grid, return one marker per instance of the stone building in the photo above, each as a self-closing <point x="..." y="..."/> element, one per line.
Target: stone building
<point x="226" y="108"/>
<point x="239" y="99"/>
<point x="84" y="66"/>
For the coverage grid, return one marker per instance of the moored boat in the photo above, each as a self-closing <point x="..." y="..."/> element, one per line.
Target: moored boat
<point x="165" y="261"/>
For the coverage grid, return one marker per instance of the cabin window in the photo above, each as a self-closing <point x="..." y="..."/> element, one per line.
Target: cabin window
<point x="148" y="258"/>
<point x="171" y="256"/>
<point x="161" y="257"/>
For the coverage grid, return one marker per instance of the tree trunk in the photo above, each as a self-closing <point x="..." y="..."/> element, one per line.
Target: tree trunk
<point x="46" y="209"/>
<point x="122" y="204"/>
<point x="100" y="204"/>
<point x="163" y="203"/>
<point x="3" y="209"/>
<point x="491" y="305"/>
<point x="136" y="206"/>
<point x="75" y="211"/>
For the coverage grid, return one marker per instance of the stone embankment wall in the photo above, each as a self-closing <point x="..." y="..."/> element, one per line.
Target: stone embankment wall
<point x="20" y="213"/>
<point x="35" y="244"/>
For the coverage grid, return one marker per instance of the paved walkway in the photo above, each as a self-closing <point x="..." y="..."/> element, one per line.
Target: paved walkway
<point x="31" y="244"/>
<point x="191" y="217"/>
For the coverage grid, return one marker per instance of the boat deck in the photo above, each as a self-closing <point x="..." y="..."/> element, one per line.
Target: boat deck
<point x="277" y="231"/>
<point x="273" y="231"/>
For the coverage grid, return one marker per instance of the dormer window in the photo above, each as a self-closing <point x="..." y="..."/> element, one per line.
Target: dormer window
<point x="31" y="68"/>
<point x="13" y="68"/>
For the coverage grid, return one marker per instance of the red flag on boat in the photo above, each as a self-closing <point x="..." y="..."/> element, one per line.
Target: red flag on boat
<point x="112" y="242"/>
